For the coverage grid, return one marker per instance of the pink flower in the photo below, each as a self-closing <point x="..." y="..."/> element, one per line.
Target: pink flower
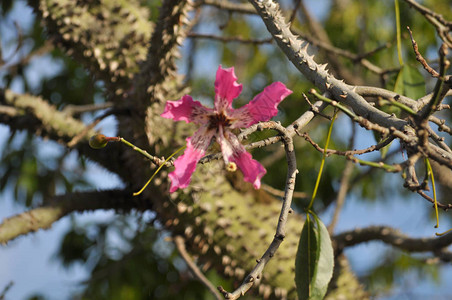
<point x="218" y="122"/>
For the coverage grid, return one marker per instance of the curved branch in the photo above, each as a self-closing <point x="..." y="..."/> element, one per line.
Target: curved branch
<point x="391" y="237"/>
<point x="292" y="171"/>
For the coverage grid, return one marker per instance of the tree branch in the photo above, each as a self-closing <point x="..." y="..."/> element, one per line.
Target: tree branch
<point x="60" y="206"/>
<point x="180" y="245"/>
<point x="292" y="171"/>
<point x="36" y="115"/>
<point x="391" y="237"/>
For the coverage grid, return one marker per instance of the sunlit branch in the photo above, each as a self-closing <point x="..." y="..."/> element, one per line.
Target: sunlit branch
<point x="60" y="206"/>
<point x="280" y="234"/>
<point x="420" y="58"/>
<point x="348" y="152"/>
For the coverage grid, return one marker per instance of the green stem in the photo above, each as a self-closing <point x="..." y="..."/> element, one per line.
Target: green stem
<point x="156" y="171"/>
<point x="402" y="107"/>
<point x="335" y="104"/>
<point x="319" y="176"/>
<point x="430" y="173"/>
<point x="399" y="39"/>
<point x="381" y="165"/>
<point x="143" y="152"/>
<point x="436" y="98"/>
<point x="443" y="233"/>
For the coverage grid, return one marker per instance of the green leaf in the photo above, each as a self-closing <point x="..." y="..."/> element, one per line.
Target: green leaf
<point x="413" y="82"/>
<point x="325" y="263"/>
<point x="314" y="260"/>
<point x="399" y="87"/>
<point x="410" y="82"/>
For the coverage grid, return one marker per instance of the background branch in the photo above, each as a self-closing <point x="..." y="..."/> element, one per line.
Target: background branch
<point x="60" y="206"/>
<point x="392" y="237"/>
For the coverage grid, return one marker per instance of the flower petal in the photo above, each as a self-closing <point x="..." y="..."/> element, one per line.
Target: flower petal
<point x="187" y="110"/>
<point x="233" y="151"/>
<point x="185" y="164"/>
<point x="226" y="88"/>
<point x="252" y="170"/>
<point x="262" y="108"/>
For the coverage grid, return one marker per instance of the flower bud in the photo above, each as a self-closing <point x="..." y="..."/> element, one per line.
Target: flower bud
<point x="98" y="141"/>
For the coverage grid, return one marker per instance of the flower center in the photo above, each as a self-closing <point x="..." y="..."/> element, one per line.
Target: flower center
<point x="217" y="120"/>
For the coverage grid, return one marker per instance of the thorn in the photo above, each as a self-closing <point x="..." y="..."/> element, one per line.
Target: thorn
<point x="323" y="67"/>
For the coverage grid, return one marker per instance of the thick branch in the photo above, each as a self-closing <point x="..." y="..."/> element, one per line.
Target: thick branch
<point x="36" y="115"/>
<point x="109" y="37"/>
<point x="296" y="50"/>
<point x="60" y="206"/>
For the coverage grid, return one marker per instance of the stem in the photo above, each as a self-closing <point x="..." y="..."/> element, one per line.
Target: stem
<point x="399" y="39"/>
<point x="443" y="233"/>
<point x="430" y="172"/>
<point x="156" y="171"/>
<point x="319" y="176"/>
<point x="141" y="151"/>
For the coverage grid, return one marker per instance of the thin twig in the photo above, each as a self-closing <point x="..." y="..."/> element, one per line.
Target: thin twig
<point x="279" y="193"/>
<point x="294" y="10"/>
<point x="438" y="140"/>
<point x="445" y="207"/>
<point x="345" y="183"/>
<point x="230" y="6"/>
<point x="180" y="245"/>
<point x="420" y="58"/>
<point x="344" y="186"/>
<point x="78" y="109"/>
<point x="344" y="53"/>
<point x="442" y="26"/>
<point x="76" y="139"/>
<point x="6" y="289"/>
<point x="228" y="39"/>
<point x="372" y="148"/>
<point x="426" y="11"/>
<point x="441" y="124"/>
<point x="441" y="88"/>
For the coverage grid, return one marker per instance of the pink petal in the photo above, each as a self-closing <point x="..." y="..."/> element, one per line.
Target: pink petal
<point x="187" y="110"/>
<point x="252" y="170"/>
<point x="226" y="88"/>
<point x="185" y="164"/>
<point x="233" y="151"/>
<point x="262" y="108"/>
